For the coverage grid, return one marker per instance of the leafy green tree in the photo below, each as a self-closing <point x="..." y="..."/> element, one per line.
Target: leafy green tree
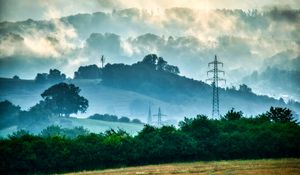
<point x="8" y="114"/>
<point x="63" y="99"/>
<point x="124" y="119"/>
<point x="16" y="77"/>
<point x="282" y="115"/>
<point x="18" y="134"/>
<point x="233" y="115"/>
<point x="104" y="117"/>
<point x="88" y="72"/>
<point x="54" y="76"/>
<point x="51" y="131"/>
<point x="136" y="121"/>
<point x="200" y="127"/>
<point x="37" y="116"/>
<point x="41" y="78"/>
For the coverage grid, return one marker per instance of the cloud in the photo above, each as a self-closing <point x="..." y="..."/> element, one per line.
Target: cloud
<point x="186" y="37"/>
<point x="16" y="10"/>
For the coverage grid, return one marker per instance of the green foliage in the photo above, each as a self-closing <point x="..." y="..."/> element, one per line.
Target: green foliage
<point x="53" y="130"/>
<point x="88" y="72"/>
<point x="136" y="121"/>
<point x="54" y="76"/>
<point x="18" y="134"/>
<point x="60" y="150"/>
<point x="64" y="99"/>
<point x="124" y="119"/>
<point x="36" y="116"/>
<point x="104" y="117"/>
<point x="233" y="115"/>
<point x="280" y="115"/>
<point x="113" y="118"/>
<point x="8" y="114"/>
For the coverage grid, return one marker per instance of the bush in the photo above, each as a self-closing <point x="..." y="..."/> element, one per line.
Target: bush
<point x="136" y="121"/>
<point x="124" y="119"/>
<point x="104" y="117"/>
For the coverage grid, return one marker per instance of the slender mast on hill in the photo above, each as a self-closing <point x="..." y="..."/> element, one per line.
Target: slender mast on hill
<point x="215" y="79"/>
<point x="102" y="60"/>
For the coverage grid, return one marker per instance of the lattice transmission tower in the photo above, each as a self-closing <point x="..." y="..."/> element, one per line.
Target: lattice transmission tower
<point x="215" y="80"/>
<point x="159" y="115"/>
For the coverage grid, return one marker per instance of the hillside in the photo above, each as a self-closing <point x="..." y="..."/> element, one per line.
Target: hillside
<point x="129" y="90"/>
<point x="102" y="99"/>
<point x="266" y="167"/>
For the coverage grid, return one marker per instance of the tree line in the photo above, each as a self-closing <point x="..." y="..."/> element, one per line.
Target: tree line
<point x="114" y="118"/>
<point x="273" y="134"/>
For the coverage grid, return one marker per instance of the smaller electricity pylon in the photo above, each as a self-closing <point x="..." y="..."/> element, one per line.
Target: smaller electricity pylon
<point x="215" y="79"/>
<point x="102" y="60"/>
<point x="159" y="115"/>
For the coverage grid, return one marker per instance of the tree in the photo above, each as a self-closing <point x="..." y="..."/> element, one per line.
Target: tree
<point x="53" y="76"/>
<point x="63" y="99"/>
<point x="8" y="114"/>
<point x="104" y="117"/>
<point x="88" y="72"/>
<point x="282" y="115"/>
<point x="41" y="78"/>
<point x="56" y="76"/>
<point x="160" y="64"/>
<point x="35" y="117"/>
<point x="136" y="121"/>
<point x="233" y="115"/>
<point x="124" y="119"/>
<point x="245" y="88"/>
<point x="16" y="77"/>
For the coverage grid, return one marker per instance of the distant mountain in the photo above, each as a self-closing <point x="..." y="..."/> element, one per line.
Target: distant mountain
<point x="284" y="82"/>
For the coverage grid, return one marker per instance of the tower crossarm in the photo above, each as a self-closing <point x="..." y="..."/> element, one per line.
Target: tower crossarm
<point x="213" y="71"/>
<point x="215" y="62"/>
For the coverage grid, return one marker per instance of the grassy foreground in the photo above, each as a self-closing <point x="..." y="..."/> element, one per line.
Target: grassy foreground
<point x="255" y="167"/>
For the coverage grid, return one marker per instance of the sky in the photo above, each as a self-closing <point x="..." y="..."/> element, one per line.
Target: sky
<point x="186" y="33"/>
<point x="16" y="10"/>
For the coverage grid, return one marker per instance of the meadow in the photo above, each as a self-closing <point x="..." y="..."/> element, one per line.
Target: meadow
<point x="249" y="167"/>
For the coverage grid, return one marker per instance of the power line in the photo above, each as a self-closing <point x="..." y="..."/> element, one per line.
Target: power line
<point x="215" y="79"/>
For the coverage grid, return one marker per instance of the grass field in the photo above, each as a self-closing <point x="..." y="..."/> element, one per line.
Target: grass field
<point x="95" y="126"/>
<point x="253" y="167"/>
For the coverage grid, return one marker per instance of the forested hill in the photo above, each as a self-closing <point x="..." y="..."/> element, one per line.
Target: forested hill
<point x="128" y="90"/>
<point x="156" y="78"/>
